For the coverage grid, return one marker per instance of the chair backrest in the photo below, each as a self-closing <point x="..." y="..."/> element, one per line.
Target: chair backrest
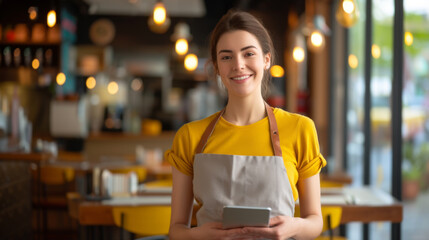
<point x="143" y="220"/>
<point x="330" y="184"/>
<point x="159" y="183"/>
<point x="331" y="216"/>
<point x="139" y="170"/>
<point x="55" y="175"/>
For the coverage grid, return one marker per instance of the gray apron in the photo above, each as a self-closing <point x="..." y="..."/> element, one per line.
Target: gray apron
<point x="221" y="180"/>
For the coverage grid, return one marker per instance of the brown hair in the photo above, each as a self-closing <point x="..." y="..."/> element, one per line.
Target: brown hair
<point x="237" y="20"/>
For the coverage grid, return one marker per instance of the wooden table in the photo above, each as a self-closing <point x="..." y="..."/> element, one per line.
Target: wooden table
<point x="359" y="205"/>
<point x="364" y="204"/>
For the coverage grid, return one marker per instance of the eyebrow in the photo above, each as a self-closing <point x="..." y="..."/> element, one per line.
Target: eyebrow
<point x="230" y="51"/>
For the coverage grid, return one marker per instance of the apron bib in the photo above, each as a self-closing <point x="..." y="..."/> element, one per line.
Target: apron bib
<point x="260" y="181"/>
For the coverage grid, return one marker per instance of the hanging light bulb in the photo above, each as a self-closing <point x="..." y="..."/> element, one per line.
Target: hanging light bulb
<point x="159" y="13"/>
<point x="191" y="62"/>
<point x="160" y="29"/>
<point x="316" y="41"/>
<point x="112" y="88"/>
<point x="347" y="13"/>
<point x="277" y="71"/>
<point x="61" y="78"/>
<point x="35" y="64"/>
<point x="298" y="54"/>
<point x="181" y="46"/>
<point x="181" y="36"/>
<point x="52" y="18"/>
<point x="91" y="82"/>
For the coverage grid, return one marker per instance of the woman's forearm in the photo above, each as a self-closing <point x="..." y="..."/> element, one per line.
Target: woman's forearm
<point x="307" y="228"/>
<point x="180" y="231"/>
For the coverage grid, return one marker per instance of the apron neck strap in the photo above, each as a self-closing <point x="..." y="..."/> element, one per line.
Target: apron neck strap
<point x="274" y="133"/>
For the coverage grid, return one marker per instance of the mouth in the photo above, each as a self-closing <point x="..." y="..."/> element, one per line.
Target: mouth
<point x="242" y="78"/>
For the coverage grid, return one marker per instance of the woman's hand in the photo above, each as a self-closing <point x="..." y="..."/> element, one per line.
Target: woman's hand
<point x="214" y="230"/>
<point x="280" y="228"/>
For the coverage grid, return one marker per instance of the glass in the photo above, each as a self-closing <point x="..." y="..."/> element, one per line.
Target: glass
<point x="355" y="109"/>
<point x="415" y="120"/>
<point x="381" y="93"/>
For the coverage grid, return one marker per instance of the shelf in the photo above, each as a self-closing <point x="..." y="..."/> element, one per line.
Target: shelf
<point x="30" y="44"/>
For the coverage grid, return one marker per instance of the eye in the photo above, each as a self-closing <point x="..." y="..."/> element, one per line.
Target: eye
<point x="249" y="54"/>
<point x="225" y="57"/>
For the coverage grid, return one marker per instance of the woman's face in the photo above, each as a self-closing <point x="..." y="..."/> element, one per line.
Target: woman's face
<point x="241" y="63"/>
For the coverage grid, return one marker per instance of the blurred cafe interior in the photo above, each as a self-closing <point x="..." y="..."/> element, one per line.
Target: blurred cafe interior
<point x="92" y="92"/>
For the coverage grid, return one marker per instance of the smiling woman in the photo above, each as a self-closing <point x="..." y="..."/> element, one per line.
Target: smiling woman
<point x="248" y="154"/>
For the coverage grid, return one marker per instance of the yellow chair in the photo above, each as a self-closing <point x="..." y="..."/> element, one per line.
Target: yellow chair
<point x="330" y="184"/>
<point x="331" y="220"/>
<point x="159" y="183"/>
<point x="139" y="170"/>
<point x="143" y="221"/>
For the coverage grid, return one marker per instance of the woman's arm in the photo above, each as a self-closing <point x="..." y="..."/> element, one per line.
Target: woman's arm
<point x="181" y="214"/>
<point x="311" y="222"/>
<point x="308" y="226"/>
<point x="181" y="205"/>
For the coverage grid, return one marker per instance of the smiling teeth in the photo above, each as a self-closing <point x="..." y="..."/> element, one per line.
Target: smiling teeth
<point x="241" y="78"/>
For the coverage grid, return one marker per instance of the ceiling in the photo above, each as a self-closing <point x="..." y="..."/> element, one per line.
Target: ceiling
<point x="175" y="8"/>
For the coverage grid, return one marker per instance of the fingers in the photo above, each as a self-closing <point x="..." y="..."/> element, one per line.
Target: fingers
<point x="274" y="221"/>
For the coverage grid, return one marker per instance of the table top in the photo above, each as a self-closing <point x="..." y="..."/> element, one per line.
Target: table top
<point x="364" y="204"/>
<point x="25" y="157"/>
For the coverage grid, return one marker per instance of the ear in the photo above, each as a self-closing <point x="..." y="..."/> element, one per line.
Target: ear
<point x="267" y="61"/>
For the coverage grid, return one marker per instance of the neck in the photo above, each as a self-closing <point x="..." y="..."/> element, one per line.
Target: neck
<point x="243" y="111"/>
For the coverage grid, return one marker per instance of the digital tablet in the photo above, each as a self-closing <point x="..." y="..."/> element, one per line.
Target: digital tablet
<point x="243" y="216"/>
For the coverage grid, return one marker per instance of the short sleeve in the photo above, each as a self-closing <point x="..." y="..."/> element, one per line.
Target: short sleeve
<point x="310" y="160"/>
<point x="179" y="156"/>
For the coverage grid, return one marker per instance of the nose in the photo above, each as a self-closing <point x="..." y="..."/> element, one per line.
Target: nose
<point x="238" y="63"/>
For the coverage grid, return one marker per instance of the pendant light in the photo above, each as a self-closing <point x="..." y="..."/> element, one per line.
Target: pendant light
<point x="191" y="62"/>
<point x="347" y="13"/>
<point x="112" y="87"/>
<point x="91" y="82"/>
<point x="52" y="18"/>
<point x="61" y="78"/>
<point x="159" y="13"/>
<point x="316" y="28"/>
<point x="277" y="71"/>
<point x="181" y="36"/>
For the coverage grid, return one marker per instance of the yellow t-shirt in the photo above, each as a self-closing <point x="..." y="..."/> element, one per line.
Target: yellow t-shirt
<point x="298" y="141"/>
